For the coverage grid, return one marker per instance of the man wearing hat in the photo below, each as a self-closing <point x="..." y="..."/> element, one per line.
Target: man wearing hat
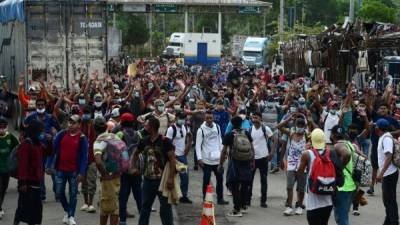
<point x="388" y="173"/>
<point x="330" y="119"/>
<point x="161" y="114"/>
<point x="69" y="163"/>
<point x="318" y="207"/>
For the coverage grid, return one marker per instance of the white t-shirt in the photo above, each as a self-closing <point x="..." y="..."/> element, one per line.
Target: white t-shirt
<point x="259" y="142"/>
<point x="179" y="140"/>
<point x="330" y="122"/>
<point x="385" y="145"/>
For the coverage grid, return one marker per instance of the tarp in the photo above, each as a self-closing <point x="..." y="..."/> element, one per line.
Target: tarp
<point x="11" y="10"/>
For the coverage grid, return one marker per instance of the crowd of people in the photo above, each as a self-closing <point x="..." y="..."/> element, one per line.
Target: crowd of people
<point x="132" y="132"/>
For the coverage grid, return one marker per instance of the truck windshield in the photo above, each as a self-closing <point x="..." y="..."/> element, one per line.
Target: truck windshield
<point x="253" y="54"/>
<point x="175" y="44"/>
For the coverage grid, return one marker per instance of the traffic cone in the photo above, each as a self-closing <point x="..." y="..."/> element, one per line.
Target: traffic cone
<point x="207" y="217"/>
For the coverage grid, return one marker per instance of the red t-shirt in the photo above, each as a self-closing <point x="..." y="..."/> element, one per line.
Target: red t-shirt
<point x="69" y="149"/>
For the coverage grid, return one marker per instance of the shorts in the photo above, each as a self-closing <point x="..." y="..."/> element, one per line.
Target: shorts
<point x="293" y="178"/>
<point x="109" y="197"/>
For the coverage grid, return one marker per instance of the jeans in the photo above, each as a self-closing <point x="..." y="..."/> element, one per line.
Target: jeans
<point x="364" y="145"/>
<point x="319" y="216"/>
<point x="239" y="193"/>
<point x="342" y="202"/>
<point x="149" y="193"/>
<point x="61" y="180"/>
<point x="184" y="176"/>
<point x="389" y="185"/>
<point x="275" y="158"/>
<point x="4" y="180"/>
<point x="262" y="165"/>
<point x="219" y="175"/>
<point x="129" y="183"/>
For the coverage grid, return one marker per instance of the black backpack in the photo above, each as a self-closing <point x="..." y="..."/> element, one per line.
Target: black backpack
<point x="131" y="139"/>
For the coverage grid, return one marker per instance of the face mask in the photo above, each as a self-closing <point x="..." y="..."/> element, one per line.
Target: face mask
<point x="398" y="106"/>
<point x="180" y="122"/>
<point x="300" y="130"/>
<point x="82" y="101"/>
<point x="40" y="111"/>
<point x="98" y="104"/>
<point x="177" y="107"/>
<point x="171" y="98"/>
<point x="86" y="117"/>
<point x="161" y="108"/>
<point x="242" y="116"/>
<point x="97" y="114"/>
<point x="333" y="111"/>
<point x="136" y="94"/>
<point x="302" y="106"/>
<point x="325" y="108"/>
<point x="150" y="86"/>
<point x="356" y="102"/>
<point x="120" y="100"/>
<point x="293" y="109"/>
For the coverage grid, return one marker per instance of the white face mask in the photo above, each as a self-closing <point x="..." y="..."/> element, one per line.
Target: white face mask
<point x="242" y="116"/>
<point x="398" y="106"/>
<point x="177" y="107"/>
<point x="172" y="98"/>
<point x="161" y="108"/>
<point x="97" y="114"/>
<point x="98" y="104"/>
<point x="41" y="111"/>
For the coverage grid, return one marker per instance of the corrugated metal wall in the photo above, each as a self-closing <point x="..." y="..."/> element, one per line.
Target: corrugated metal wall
<point x="12" y="52"/>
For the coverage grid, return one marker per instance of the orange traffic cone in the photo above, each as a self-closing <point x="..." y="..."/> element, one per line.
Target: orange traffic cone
<point x="207" y="217"/>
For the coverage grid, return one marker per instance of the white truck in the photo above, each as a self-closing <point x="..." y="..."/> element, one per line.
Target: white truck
<point x="255" y="51"/>
<point x="195" y="48"/>
<point x="175" y="46"/>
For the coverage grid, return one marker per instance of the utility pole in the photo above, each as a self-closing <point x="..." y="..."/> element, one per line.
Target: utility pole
<point x="281" y="18"/>
<point x="351" y="11"/>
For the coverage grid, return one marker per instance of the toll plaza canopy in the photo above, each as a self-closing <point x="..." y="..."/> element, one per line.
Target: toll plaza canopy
<point x="198" y="2"/>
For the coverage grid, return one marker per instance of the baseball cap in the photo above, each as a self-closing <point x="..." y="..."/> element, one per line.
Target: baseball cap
<point x="127" y="117"/>
<point x="75" y="118"/>
<point x="318" y="139"/>
<point x="99" y="121"/>
<point x="339" y="131"/>
<point x="115" y="113"/>
<point x="382" y="123"/>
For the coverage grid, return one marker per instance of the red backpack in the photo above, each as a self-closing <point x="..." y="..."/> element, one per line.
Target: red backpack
<point x="322" y="179"/>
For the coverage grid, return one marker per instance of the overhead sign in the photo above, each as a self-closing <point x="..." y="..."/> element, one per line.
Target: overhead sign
<point x="134" y="8"/>
<point x="249" y="9"/>
<point x="165" y="8"/>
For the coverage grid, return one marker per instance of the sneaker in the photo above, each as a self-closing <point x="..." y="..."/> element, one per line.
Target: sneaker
<point x="370" y="191"/>
<point x="129" y="215"/>
<point x="244" y="210"/>
<point x="185" y="200"/>
<point x="356" y="212"/>
<point x="153" y="209"/>
<point x="235" y="213"/>
<point x="288" y="211"/>
<point x="275" y="170"/>
<point x="84" y="207"/>
<point x="298" y="211"/>
<point x="223" y="202"/>
<point x="71" y="221"/>
<point x="263" y="205"/>
<point x="1" y="214"/>
<point x="229" y="193"/>
<point x="91" y="209"/>
<point x="65" y="219"/>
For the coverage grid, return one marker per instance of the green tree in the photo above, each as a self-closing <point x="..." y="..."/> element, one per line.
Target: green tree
<point x="377" y="11"/>
<point x="134" y="31"/>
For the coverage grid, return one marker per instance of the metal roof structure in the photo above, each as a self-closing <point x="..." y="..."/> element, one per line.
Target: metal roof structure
<point x="249" y="3"/>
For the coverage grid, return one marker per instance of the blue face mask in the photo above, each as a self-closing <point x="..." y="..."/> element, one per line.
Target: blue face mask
<point x="300" y="130"/>
<point x="82" y="101"/>
<point x="293" y="109"/>
<point x="86" y="117"/>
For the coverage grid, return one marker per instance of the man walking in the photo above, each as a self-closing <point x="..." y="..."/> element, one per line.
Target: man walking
<point x="156" y="151"/>
<point x="208" y="149"/>
<point x="182" y="140"/>
<point x="69" y="163"/>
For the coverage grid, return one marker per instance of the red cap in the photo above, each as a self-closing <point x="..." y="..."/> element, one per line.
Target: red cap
<point x="333" y="103"/>
<point x="127" y="117"/>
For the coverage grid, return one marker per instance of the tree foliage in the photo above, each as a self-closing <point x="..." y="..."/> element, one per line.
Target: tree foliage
<point x="134" y="31"/>
<point x="378" y="11"/>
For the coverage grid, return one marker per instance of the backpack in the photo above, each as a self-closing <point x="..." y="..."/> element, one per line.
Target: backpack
<point x="362" y="168"/>
<point x="241" y="148"/>
<point x="131" y="139"/>
<point x="174" y="131"/>
<point x="322" y="179"/>
<point x="264" y="130"/>
<point x="12" y="160"/>
<point x="396" y="153"/>
<point x="116" y="156"/>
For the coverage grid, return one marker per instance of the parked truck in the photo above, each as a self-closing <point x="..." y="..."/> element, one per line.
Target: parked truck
<point x="255" y="51"/>
<point x="59" y="40"/>
<point x="175" y="46"/>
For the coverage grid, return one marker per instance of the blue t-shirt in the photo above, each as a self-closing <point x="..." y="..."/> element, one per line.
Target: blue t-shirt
<point x="246" y="124"/>
<point x="222" y="119"/>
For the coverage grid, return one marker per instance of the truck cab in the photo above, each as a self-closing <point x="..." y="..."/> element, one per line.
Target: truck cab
<point x="255" y="51"/>
<point x="175" y="46"/>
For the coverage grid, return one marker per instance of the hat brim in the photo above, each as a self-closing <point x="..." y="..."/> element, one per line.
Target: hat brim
<point x="318" y="145"/>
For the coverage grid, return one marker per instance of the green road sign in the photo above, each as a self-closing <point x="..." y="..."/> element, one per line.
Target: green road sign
<point x="165" y="8"/>
<point x="249" y="9"/>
